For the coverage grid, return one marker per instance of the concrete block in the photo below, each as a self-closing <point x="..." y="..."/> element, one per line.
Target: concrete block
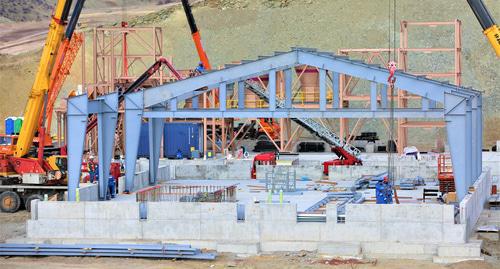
<point x="229" y="230"/>
<point x="61" y="210"/>
<point x="331" y="213"/>
<point x="362" y="212"/>
<point x="112" y="210"/>
<point x="276" y="231"/>
<point x="239" y="248"/>
<point x="282" y="246"/>
<point x="113" y="229"/>
<point x="173" y="211"/>
<point x="447" y="260"/>
<point x="339" y="249"/>
<point x="396" y="248"/>
<point x="472" y="249"/>
<point x="412" y="232"/>
<point x="252" y="213"/>
<point x="34" y="209"/>
<point x="279" y="212"/>
<point x="55" y="228"/>
<point x="412" y="213"/>
<point x="448" y="214"/>
<point x="454" y="233"/>
<point x="219" y="211"/>
<point x="351" y="232"/>
<point x="171" y="229"/>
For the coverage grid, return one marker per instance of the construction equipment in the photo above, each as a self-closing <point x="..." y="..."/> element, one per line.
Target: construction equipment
<point x="92" y="123"/>
<point x="344" y="158"/>
<point x="348" y="154"/>
<point x="21" y="171"/>
<point x="490" y="28"/>
<point x="266" y="158"/>
<point x="195" y="33"/>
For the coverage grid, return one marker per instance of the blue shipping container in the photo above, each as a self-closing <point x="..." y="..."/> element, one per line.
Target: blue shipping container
<point x="143" y="150"/>
<point x="9" y="125"/>
<point x="182" y="136"/>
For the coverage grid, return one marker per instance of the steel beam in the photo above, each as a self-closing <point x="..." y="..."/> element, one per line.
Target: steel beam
<point x="322" y="89"/>
<point x="155" y="135"/>
<point x="296" y="113"/>
<point x="271" y="87"/>
<point x="133" y="117"/>
<point x="335" y="86"/>
<point x="241" y="95"/>
<point x="106" y="108"/>
<point x="77" y="117"/>
<point x="373" y="96"/>
<point x="383" y="96"/>
<point x="288" y="88"/>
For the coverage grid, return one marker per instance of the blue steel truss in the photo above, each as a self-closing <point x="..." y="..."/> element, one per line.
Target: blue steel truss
<point x="461" y="107"/>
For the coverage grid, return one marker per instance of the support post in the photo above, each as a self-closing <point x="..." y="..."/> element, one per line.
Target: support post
<point x="222" y="96"/>
<point x="133" y="116"/>
<point x="322" y="89"/>
<point x="373" y="96"/>
<point x="288" y="88"/>
<point x="155" y="136"/>
<point x="455" y="110"/>
<point x="241" y="94"/>
<point x="383" y="96"/>
<point x="335" y="86"/>
<point x="107" y="116"/>
<point x="77" y="122"/>
<point x="272" y="90"/>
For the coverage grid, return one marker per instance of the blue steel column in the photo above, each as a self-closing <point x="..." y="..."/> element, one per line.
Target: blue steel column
<point x="335" y="84"/>
<point x="133" y="116"/>
<point x="77" y="122"/>
<point x="222" y="96"/>
<point x="271" y="87"/>
<point x="468" y="145"/>
<point x="241" y="94"/>
<point x="322" y="89"/>
<point x="155" y="136"/>
<point x="195" y="102"/>
<point x="288" y="88"/>
<point x="479" y="130"/>
<point x="383" y="96"/>
<point x="425" y="104"/>
<point x="373" y="96"/>
<point x="474" y="140"/>
<point x="455" y="110"/>
<point x="107" y="117"/>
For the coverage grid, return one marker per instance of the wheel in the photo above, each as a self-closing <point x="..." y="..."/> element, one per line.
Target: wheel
<point x="262" y="137"/>
<point x="9" y="201"/>
<point x="27" y="202"/>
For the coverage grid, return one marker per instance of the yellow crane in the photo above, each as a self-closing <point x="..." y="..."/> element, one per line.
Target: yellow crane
<point x="40" y="87"/>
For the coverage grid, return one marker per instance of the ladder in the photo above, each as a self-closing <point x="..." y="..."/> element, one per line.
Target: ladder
<point x="311" y="125"/>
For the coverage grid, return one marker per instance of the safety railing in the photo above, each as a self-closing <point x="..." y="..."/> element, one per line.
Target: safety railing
<point x="187" y="193"/>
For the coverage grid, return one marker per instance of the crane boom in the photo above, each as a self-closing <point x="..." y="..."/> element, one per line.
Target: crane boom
<point x="42" y="78"/>
<point x="490" y="28"/>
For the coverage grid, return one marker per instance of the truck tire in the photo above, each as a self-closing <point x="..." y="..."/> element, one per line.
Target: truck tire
<point x="27" y="202"/>
<point x="9" y="201"/>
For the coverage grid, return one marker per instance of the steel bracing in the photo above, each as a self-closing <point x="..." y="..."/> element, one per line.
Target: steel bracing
<point x="459" y="106"/>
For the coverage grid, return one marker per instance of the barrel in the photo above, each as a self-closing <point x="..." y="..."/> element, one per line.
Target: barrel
<point x="18" y="123"/>
<point x="9" y="125"/>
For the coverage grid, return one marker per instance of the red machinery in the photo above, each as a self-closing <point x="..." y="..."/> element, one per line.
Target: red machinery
<point x="344" y="158"/>
<point x="266" y="158"/>
<point x="445" y="174"/>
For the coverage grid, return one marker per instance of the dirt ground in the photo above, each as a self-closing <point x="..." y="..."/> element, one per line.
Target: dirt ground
<point x="13" y="225"/>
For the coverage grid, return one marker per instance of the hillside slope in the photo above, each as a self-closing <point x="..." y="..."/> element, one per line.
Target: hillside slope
<point x="244" y="29"/>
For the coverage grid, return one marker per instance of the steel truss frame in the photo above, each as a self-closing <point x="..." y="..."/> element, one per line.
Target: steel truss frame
<point x="461" y="108"/>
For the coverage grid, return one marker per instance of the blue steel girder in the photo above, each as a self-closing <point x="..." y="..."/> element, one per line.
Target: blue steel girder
<point x="79" y="107"/>
<point x="461" y="106"/>
<point x="133" y="116"/>
<point x="431" y="89"/>
<point x="77" y="117"/>
<point x="155" y="136"/>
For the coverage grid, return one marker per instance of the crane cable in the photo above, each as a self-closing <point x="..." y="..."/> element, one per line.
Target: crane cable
<point x="392" y="67"/>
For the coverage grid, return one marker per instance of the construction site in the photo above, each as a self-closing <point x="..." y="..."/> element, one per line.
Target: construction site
<point x="297" y="134"/>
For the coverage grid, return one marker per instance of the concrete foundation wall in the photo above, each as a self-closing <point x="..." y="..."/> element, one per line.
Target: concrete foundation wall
<point x="414" y="231"/>
<point x="141" y="178"/>
<point x="473" y="203"/>
<point x="311" y="171"/>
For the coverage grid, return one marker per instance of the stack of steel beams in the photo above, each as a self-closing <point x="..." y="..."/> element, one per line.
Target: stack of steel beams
<point x="166" y="251"/>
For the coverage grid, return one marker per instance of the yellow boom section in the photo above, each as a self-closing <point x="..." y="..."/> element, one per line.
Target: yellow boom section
<point x="493" y="34"/>
<point x="41" y="84"/>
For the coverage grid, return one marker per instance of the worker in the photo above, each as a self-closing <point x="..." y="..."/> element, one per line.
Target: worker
<point x="200" y="69"/>
<point x="115" y="170"/>
<point x="92" y="168"/>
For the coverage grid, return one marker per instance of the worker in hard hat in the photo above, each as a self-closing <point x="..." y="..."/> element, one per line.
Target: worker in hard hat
<point x="200" y="69"/>
<point x="92" y="168"/>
